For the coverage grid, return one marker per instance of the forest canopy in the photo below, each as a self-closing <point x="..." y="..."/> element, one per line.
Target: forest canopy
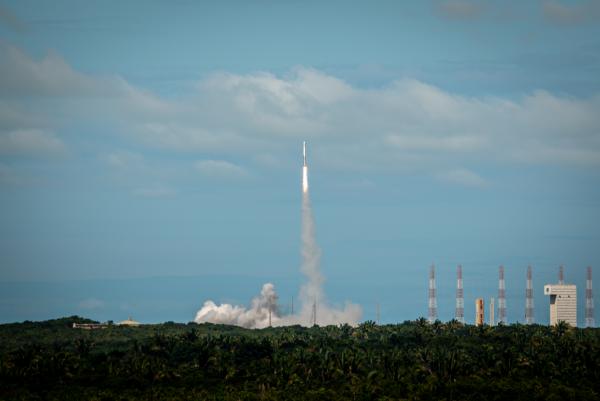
<point x="411" y="360"/>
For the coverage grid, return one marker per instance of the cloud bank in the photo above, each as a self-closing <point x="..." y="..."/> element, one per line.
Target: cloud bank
<point x="227" y="120"/>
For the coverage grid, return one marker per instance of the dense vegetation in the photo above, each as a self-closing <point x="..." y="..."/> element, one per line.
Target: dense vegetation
<point x="413" y="360"/>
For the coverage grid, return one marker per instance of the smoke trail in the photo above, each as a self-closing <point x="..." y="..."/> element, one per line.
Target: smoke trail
<point x="312" y="296"/>
<point x="312" y="290"/>
<point x="314" y="306"/>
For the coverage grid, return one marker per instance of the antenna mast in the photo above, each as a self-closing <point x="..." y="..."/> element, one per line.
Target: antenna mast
<point x="501" y="296"/>
<point x="561" y="275"/>
<point x="529" y="298"/>
<point x="589" y="300"/>
<point x="459" y="314"/>
<point x="432" y="296"/>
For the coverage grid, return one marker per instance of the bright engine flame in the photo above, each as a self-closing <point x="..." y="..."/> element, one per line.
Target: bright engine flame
<point x="305" y="179"/>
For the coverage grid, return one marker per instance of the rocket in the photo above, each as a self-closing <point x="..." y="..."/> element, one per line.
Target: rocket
<point x="304" y="170"/>
<point x="304" y="151"/>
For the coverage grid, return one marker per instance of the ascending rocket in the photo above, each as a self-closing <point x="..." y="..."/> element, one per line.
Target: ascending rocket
<point x="304" y="170"/>
<point x="304" y="151"/>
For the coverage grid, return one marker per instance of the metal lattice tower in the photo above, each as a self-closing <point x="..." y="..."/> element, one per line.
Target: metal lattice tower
<point x="529" y="298"/>
<point x="459" y="315"/>
<point x="561" y="275"/>
<point x="501" y="297"/>
<point x="589" y="300"/>
<point x="432" y="296"/>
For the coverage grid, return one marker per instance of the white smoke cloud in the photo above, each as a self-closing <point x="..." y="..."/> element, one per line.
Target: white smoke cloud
<point x="256" y="316"/>
<point x="314" y="307"/>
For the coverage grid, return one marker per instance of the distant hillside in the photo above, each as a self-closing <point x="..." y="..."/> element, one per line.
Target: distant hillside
<point x="412" y="360"/>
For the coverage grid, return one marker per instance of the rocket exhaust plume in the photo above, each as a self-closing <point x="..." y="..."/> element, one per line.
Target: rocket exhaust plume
<point x="311" y="254"/>
<point x="304" y="171"/>
<point x="311" y="293"/>
<point x="264" y="310"/>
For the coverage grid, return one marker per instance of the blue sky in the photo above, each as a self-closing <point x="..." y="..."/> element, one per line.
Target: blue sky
<point x="149" y="145"/>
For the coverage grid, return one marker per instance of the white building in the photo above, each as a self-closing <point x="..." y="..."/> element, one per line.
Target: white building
<point x="563" y="303"/>
<point x="129" y="322"/>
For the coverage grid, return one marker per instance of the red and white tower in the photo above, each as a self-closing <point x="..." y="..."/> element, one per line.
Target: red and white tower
<point x="589" y="300"/>
<point x="432" y="296"/>
<point x="501" y="297"/>
<point x="460" y="298"/>
<point x="529" y="298"/>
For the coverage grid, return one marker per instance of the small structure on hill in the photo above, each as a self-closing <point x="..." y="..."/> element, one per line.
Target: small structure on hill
<point x="89" y="326"/>
<point x="129" y="322"/>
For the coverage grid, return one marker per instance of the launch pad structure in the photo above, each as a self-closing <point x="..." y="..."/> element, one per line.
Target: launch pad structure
<point x="563" y="300"/>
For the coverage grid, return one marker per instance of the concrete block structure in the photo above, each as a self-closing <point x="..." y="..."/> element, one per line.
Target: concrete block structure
<point x="563" y="303"/>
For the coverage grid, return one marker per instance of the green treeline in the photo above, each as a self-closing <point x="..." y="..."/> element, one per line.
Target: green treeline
<point x="413" y="360"/>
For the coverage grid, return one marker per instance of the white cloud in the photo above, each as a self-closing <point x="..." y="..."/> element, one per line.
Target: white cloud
<point x="30" y="142"/>
<point x="20" y="75"/>
<point x="13" y="117"/>
<point x="405" y="125"/>
<point x="462" y="177"/>
<point x="23" y="78"/>
<point x="220" y="169"/>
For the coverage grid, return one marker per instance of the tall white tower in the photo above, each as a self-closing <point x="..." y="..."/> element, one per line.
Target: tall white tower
<point x="501" y="296"/>
<point x="459" y="314"/>
<point x="432" y="296"/>
<point x="529" y="298"/>
<point x="589" y="300"/>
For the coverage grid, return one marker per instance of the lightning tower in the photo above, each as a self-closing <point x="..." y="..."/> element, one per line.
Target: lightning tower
<point x="501" y="297"/>
<point x="432" y="297"/>
<point x="561" y="275"/>
<point x="529" y="298"/>
<point x="589" y="300"/>
<point x="460" y="298"/>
